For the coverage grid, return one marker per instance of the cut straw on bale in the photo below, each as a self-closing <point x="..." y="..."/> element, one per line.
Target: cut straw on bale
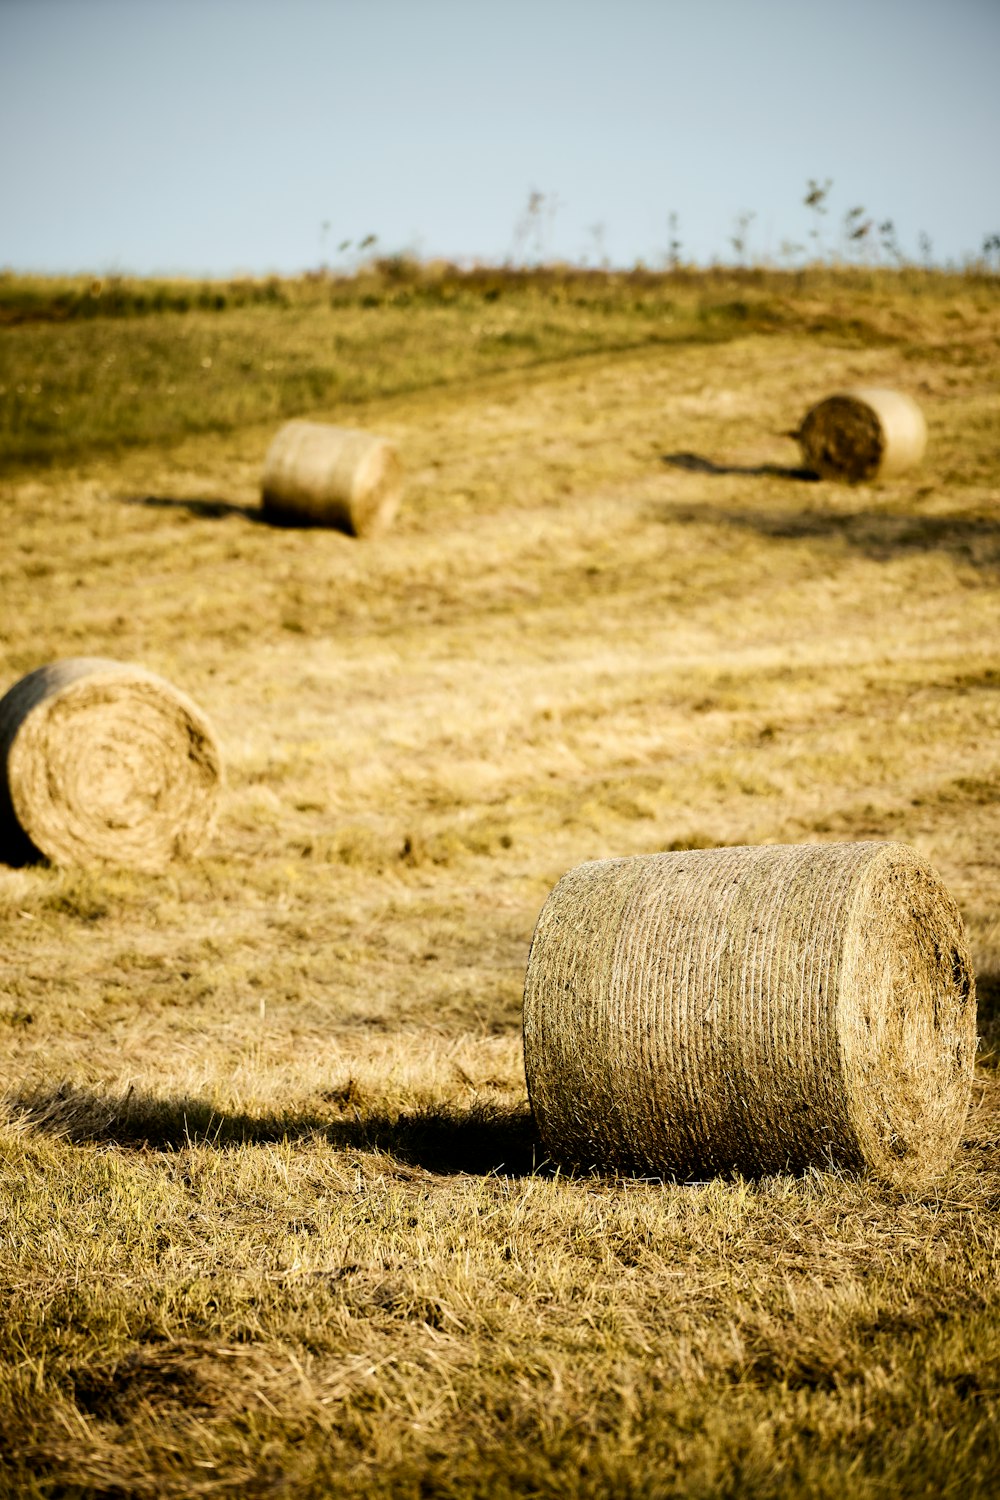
<point x="104" y="763"/>
<point x="751" y="1009"/>
<point x="863" y="434"/>
<point x="317" y="475"/>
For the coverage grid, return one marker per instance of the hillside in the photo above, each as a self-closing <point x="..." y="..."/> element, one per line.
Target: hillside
<point x="274" y="1219"/>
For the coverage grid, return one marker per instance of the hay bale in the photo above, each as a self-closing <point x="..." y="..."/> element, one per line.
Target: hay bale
<point x="863" y="434"/>
<point x="751" y="1009"/>
<point x="102" y="762"/>
<point x="317" y="475"/>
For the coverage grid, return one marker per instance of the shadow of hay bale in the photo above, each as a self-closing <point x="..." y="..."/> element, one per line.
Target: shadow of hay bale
<point x="179" y="1376"/>
<point x="223" y="510"/>
<point x="481" y="1138"/>
<point x="206" y="510"/>
<point x="138" y="1119"/>
<point x="988" y="995"/>
<point x="695" y="463"/>
<point x="988" y="1005"/>
<point x="878" y="535"/>
<point x="17" y="851"/>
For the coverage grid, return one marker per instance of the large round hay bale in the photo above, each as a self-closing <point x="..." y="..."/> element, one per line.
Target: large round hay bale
<point x="863" y="434"/>
<point x="751" y="1009"/>
<point x="318" y="475"/>
<point x="103" y="762"/>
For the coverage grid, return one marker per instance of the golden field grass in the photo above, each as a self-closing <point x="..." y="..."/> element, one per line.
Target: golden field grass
<point x="274" y="1220"/>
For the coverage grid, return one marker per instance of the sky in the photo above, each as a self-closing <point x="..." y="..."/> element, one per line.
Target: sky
<point x="213" y="137"/>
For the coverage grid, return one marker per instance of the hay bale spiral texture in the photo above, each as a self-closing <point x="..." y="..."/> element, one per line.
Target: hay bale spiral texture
<point x="318" y="475"/>
<point x="863" y="434"/>
<point x="751" y="1009"/>
<point x="104" y="763"/>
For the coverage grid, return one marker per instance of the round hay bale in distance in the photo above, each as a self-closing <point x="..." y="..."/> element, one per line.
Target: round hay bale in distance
<point x="863" y="434"/>
<point x="101" y="762"/>
<point x="751" y="1009"/>
<point x="318" y="475"/>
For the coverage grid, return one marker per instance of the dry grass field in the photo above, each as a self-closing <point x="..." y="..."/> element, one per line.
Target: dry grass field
<point x="273" y="1220"/>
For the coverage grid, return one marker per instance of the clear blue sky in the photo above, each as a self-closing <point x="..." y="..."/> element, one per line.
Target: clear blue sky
<point x="211" y="136"/>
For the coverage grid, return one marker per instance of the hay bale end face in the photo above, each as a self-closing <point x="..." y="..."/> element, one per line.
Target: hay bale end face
<point x="318" y="475"/>
<point x="104" y="763"/>
<point x="751" y="1009"/>
<point x="863" y="434"/>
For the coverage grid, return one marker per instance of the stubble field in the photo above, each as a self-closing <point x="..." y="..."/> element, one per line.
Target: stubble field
<point x="273" y="1219"/>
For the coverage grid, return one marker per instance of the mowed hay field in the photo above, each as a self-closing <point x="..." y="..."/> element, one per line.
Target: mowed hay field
<point x="274" y="1219"/>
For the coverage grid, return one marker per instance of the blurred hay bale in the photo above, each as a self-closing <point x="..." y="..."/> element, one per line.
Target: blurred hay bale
<point x="318" y="475"/>
<point x="103" y="762"/>
<point x="863" y="434"/>
<point x="751" y="1009"/>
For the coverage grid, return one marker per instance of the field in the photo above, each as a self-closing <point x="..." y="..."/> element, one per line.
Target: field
<point x="273" y="1219"/>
